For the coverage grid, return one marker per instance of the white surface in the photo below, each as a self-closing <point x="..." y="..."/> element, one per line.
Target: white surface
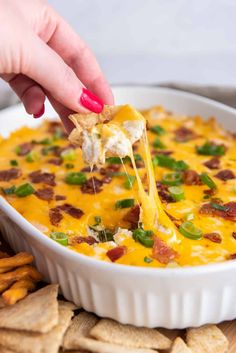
<point x="172" y="298"/>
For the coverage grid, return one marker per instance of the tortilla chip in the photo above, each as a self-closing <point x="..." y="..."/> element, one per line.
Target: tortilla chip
<point x="38" y="312"/>
<point x="179" y="346"/>
<point x="130" y="336"/>
<point x="32" y="342"/>
<point x="5" y="350"/>
<point x="91" y="345"/>
<point x="70" y="305"/>
<point x="79" y="327"/>
<point x="207" y="339"/>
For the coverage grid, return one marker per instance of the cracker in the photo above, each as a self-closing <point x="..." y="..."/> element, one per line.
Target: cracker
<point x="207" y="339"/>
<point x="130" y="336"/>
<point x="179" y="346"/>
<point x="38" y="312"/>
<point x="32" y="342"/>
<point x="91" y="345"/>
<point x="79" y="327"/>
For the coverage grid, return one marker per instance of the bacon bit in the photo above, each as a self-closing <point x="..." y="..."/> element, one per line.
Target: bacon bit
<point x="92" y="186"/>
<point x="163" y="152"/>
<point x="135" y="146"/>
<point x="107" y="180"/>
<point x="183" y="134"/>
<point x="9" y="174"/>
<point x="88" y="169"/>
<point x="45" y="194"/>
<point x="55" y="216"/>
<point x="78" y="240"/>
<point x="55" y="161"/>
<point x="232" y="257"/>
<point x="213" y="163"/>
<point x="59" y="150"/>
<point x="214" y="237"/>
<point x="191" y="177"/>
<point x="55" y="126"/>
<point x="225" y="174"/>
<point x="164" y="193"/>
<point x="115" y="253"/>
<point x="60" y="197"/>
<point x="25" y="148"/>
<point x="110" y="169"/>
<point x="209" y="192"/>
<point x="234" y="235"/>
<point x="229" y="213"/>
<point x="132" y="216"/>
<point x="139" y="164"/>
<point x="71" y="210"/>
<point x="162" y="252"/>
<point x="45" y="178"/>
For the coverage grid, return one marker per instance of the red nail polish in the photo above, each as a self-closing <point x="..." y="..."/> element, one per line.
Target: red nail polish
<point x="40" y="113"/>
<point x="91" y="102"/>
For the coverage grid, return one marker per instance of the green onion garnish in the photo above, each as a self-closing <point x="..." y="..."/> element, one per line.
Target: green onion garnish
<point x="143" y="237"/>
<point x="9" y="191"/>
<point x="14" y="163"/>
<point x="129" y="179"/>
<point x="189" y="216"/>
<point x="75" y="178"/>
<point x="97" y="220"/>
<point x="176" y="192"/>
<point x="18" y="150"/>
<point x="216" y="206"/>
<point x="147" y="259"/>
<point x="24" y="190"/>
<point x="158" y="144"/>
<point x="137" y="157"/>
<point x="117" y="160"/>
<point x="69" y="165"/>
<point x="125" y="203"/>
<point x="46" y="141"/>
<point x="210" y="149"/>
<point x="206" y="179"/>
<point x="57" y="134"/>
<point x="172" y="179"/>
<point x="158" y="130"/>
<point x="49" y="149"/>
<point x="60" y="238"/>
<point x="189" y="230"/>
<point x="68" y="155"/>
<point x="32" y="157"/>
<point x="168" y="162"/>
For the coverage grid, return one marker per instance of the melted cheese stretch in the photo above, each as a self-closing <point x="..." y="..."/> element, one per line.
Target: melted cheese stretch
<point x="191" y="252"/>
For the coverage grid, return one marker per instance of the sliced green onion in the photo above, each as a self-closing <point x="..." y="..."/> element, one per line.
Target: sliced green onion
<point x="210" y="149"/>
<point x="143" y="237"/>
<point x="206" y="179"/>
<point x="69" y="165"/>
<point x="158" y="130"/>
<point x="189" y="230"/>
<point x="177" y="193"/>
<point x="158" y="144"/>
<point x="49" y="149"/>
<point x="216" y="206"/>
<point x="18" y="150"/>
<point x="189" y="216"/>
<point x="181" y="165"/>
<point x="24" y="190"/>
<point x="60" y="238"/>
<point x="9" y="191"/>
<point x="137" y="157"/>
<point x="32" y="157"/>
<point x="147" y="259"/>
<point x="97" y="220"/>
<point x="168" y="162"/>
<point x="172" y="179"/>
<point x="75" y="178"/>
<point x="105" y="235"/>
<point x="125" y="203"/>
<point x="68" y="155"/>
<point x="130" y="179"/>
<point x="14" y="163"/>
<point x="57" y="134"/>
<point x="46" y="141"/>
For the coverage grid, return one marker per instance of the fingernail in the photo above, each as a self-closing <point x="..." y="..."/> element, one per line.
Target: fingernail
<point x="91" y="102"/>
<point x="40" y="113"/>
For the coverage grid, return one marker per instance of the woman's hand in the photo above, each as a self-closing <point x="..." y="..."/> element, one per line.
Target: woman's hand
<point x="42" y="56"/>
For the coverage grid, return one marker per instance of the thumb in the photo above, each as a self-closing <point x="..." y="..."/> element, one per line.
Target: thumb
<point x="48" y="69"/>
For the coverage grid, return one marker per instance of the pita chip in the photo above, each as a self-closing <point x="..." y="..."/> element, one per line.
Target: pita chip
<point x="38" y="312"/>
<point x="111" y="331"/>
<point x="79" y="327"/>
<point x="207" y="339"/>
<point x="32" y="342"/>
<point x="179" y="346"/>
<point x="95" y="346"/>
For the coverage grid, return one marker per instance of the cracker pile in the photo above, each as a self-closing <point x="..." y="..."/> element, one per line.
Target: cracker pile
<point x="40" y="323"/>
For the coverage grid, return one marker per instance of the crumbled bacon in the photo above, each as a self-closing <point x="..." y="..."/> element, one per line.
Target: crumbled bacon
<point x="40" y="177"/>
<point x="92" y="186"/>
<point x="45" y="193"/>
<point x="234" y="235"/>
<point x="184" y="134"/>
<point x="213" y="163"/>
<point x="115" y="253"/>
<point x="60" y="197"/>
<point x="110" y="169"/>
<point x="107" y="180"/>
<point x="55" y="161"/>
<point x="71" y="210"/>
<point x="162" y="252"/>
<point x="209" y="192"/>
<point x="228" y="213"/>
<point x="55" y="126"/>
<point x="162" y="152"/>
<point x="214" y="237"/>
<point x="164" y="193"/>
<point x="191" y="177"/>
<point x="132" y="216"/>
<point x="9" y="174"/>
<point x="89" y="170"/>
<point x="78" y="240"/>
<point x="225" y="174"/>
<point x="232" y="257"/>
<point x="25" y="148"/>
<point x="55" y="216"/>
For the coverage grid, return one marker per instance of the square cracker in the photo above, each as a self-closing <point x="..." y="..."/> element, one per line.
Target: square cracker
<point x="95" y="346"/>
<point x="31" y="342"/>
<point x="79" y="327"/>
<point x="111" y="331"/>
<point x="179" y="346"/>
<point x="38" y="312"/>
<point x="207" y="339"/>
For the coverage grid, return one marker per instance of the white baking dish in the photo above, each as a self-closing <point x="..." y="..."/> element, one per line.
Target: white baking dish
<point x="171" y="298"/>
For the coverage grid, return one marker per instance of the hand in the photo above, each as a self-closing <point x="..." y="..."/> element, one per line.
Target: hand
<point x="42" y="56"/>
